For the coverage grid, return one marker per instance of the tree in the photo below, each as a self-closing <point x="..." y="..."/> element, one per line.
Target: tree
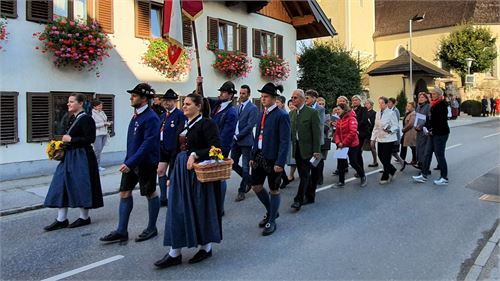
<point x="401" y="102"/>
<point x="468" y="41"/>
<point x="329" y="69"/>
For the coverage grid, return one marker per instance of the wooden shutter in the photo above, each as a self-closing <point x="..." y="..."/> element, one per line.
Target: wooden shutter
<point x="39" y="107"/>
<point x="8" y="8"/>
<point x="243" y="40"/>
<point x="108" y="106"/>
<point x="279" y="46"/>
<point x="104" y="15"/>
<point x="39" y="10"/>
<point x="256" y="43"/>
<point x="187" y="31"/>
<point x="8" y="118"/>
<point x="142" y="18"/>
<point x="213" y="31"/>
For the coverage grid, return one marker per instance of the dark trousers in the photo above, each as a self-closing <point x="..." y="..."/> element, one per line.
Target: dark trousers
<point x="342" y="164"/>
<point x="436" y="145"/>
<point x="359" y="156"/>
<point x="404" y="150"/>
<point x="244" y="170"/>
<point x="384" y="154"/>
<point x="316" y="177"/>
<point x="305" y="185"/>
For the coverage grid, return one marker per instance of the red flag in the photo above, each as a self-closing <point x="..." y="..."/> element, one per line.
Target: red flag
<point x="192" y="8"/>
<point x="172" y="29"/>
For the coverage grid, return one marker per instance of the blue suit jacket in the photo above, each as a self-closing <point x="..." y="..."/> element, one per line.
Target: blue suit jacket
<point x="170" y="126"/>
<point x="226" y="122"/>
<point x="247" y="119"/>
<point x="143" y="139"/>
<point x="276" y="137"/>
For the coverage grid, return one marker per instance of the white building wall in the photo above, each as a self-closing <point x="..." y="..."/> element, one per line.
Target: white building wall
<point x="24" y="69"/>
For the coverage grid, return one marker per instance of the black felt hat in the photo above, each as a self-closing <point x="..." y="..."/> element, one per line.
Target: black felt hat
<point x="170" y="95"/>
<point x="143" y="89"/>
<point x="271" y="89"/>
<point x="228" y="86"/>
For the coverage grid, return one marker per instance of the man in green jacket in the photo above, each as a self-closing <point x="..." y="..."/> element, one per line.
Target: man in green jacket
<point x="306" y="138"/>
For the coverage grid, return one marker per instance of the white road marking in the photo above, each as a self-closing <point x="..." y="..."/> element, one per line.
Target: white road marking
<point x="347" y="180"/>
<point x="453" y="146"/>
<point x="83" y="268"/>
<point x="492" y="135"/>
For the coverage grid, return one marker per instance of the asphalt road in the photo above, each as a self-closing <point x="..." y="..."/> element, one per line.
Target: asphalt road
<point x="399" y="231"/>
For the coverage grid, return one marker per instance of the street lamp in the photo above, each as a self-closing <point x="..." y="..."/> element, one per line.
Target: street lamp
<point x="468" y="80"/>
<point x="469" y="64"/>
<point x="415" y="18"/>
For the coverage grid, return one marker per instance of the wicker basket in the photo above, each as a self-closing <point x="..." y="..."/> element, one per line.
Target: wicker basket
<point x="214" y="171"/>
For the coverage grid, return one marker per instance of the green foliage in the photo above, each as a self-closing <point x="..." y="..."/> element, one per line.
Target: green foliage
<point x="471" y="107"/>
<point x="469" y="41"/>
<point x="401" y="102"/>
<point x="329" y="69"/>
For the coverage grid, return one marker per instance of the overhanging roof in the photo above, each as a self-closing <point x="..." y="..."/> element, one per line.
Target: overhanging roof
<point x="401" y="65"/>
<point x="318" y="26"/>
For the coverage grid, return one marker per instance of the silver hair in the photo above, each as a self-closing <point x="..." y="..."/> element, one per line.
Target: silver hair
<point x="438" y="91"/>
<point x="370" y="101"/>
<point x="301" y="92"/>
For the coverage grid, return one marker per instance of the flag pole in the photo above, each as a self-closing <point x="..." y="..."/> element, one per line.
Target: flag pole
<point x="199" y="85"/>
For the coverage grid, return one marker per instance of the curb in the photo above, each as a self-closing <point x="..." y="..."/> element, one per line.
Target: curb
<point x="483" y="256"/>
<point x="19" y="210"/>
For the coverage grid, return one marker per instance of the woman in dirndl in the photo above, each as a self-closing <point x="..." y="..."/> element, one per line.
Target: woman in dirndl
<point x="76" y="182"/>
<point x="194" y="215"/>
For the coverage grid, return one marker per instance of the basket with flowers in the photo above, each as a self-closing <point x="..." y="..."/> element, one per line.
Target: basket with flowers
<point x="157" y="57"/>
<point x="233" y="64"/>
<point x="55" y="150"/>
<point x="215" y="169"/>
<point x="274" y="68"/>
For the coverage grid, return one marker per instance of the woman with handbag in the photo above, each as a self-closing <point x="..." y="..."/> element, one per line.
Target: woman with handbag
<point x="409" y="138"/>
<point x="76" y="182"/>
<point x="101" y="134"/>
<point x="194" y="216"/>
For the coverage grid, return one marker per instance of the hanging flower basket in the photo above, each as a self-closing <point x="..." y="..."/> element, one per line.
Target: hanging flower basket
<point x="231" y="64"/>
<point x="274" y="68"/>
<point x="80" y="45"/>
<point x="3" y="31"/>
<point x="157" y="57"/>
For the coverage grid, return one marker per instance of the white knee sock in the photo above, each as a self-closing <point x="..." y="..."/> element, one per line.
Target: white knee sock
<point x="206" y="247"/>
<point x="62" y="214"/>
<point x="84" y="213"/>
<point x="174" y="252"/>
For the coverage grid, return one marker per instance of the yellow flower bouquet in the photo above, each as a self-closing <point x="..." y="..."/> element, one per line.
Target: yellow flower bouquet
<point x="55" y="150"/>
<point x="215" y="153"/>
<point x="216" y="169"/>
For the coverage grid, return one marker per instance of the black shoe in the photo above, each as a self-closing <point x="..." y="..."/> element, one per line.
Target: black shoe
<point x="296" y="206"/>
<point x="168" y="261"/>
<point x="146" y="235"/>
<point x="114" y="237"/>
<point x="308" y="201"/>
<point x="373" y="165"/>
<point x="164" y="203"/>
<point x="248" y="188"/>
<point x="265" y="220"/>
<point x="201" y="255"/>
<point x="356" y="175"/>
<point x="57" y="225"/>
<point x="339" y="185"/>
<point x="269" y="229"/>
<point x="403" y="166"/>
<point x="284" y="183"/>
<point x="336" y="172"/>
<point x="240" y="197"/>
<point x="363" y="181"/>
<point x="80" y="222"/>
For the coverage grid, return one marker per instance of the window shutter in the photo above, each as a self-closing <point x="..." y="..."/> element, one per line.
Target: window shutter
<point x="279" y="46"/>
<point x="213" y="32"/>
<point x="39" y="116"/>
<point x="108" y="106"/>
<point x="187" y="31"/>
<point x="256" y="43"/>
<point x="142" y="19"/>
<point x="8" y="118"/>
<point x="243" y="40"/>
<point x="8" y="8"/>
<point x="104" y="15"/>
<point x="39" y="10"/>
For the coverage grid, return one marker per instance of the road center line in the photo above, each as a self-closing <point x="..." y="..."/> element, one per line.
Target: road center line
<point x="83" y="268"/>
<point x="492" y="135"/>
<point x="453" y="146"/>
<point x="347" y="180"/>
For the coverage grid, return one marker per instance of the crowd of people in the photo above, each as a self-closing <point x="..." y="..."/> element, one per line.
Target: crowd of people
<point x="164" y="142"/>
<point x="490" y="106"/>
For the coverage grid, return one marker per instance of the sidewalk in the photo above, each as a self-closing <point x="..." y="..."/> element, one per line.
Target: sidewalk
<point x="28" y="194"/>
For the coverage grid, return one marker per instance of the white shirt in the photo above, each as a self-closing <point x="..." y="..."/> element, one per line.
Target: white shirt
<point x="224" y="105"/>
<point x="242" y="107"/>
<point x="141" y="109"/>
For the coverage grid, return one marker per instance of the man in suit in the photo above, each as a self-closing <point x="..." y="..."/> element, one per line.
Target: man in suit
<point x="306" y="134"/>
<point x="225" y="116"/>
<point x="311" y="101"/>
<point x="141" y="161"/>
<point x="243" y="140"/>
<point x="170" y="122"/>
<point x="269" y="153"/>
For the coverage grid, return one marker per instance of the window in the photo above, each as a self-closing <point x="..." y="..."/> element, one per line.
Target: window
<point x="227" y="36"/>
<point x="8" y="118"/>
<point x="8" y="8"/>
<point x="156" y="21"/>
<point x="265" y="42"/>
<point x="71" y="9"/>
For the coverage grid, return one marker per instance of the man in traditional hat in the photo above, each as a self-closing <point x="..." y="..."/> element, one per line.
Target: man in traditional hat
<point x="141" y="162"/>
<point x="269" y="153"/>
<point x="225" y="116"/>
<point x="170" y="122"/>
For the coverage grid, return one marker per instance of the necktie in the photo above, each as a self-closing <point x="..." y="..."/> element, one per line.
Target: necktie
<point x="135" y="114"/>
<point x="262" y="123"/>
<point x="217" y="109"/>
<point x="241" y="109"/>
<point x="168" y="113"/>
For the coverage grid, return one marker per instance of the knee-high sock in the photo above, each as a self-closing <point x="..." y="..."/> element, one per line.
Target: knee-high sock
<point x="264" y="198"/>
<point x="206" y="247"/>
<point x="223" y="187"/>
<point x="84" y="213"/>
<point x="162" y="182"/>
<point x="126" y="205"/>
<point x="153" y="210"/>
<point x="62" y="214"/>
<point x="275" y="206"/>
<point x="174" y="252"/>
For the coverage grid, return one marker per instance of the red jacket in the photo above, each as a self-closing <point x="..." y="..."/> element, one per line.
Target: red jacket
<point x="347" y="130"/>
